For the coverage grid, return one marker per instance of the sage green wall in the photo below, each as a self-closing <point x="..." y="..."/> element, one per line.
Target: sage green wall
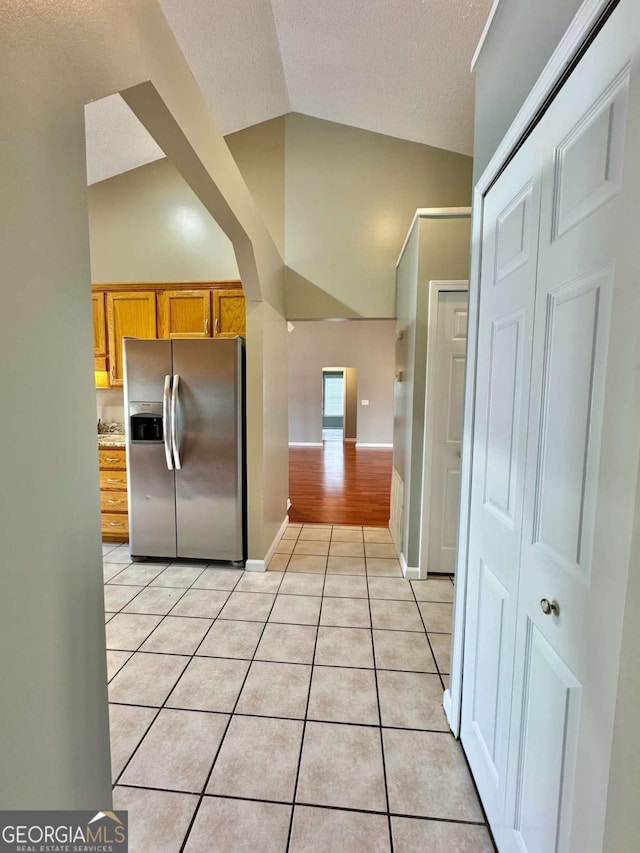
<point x="148" y="225"/>
<point x="350" y="196"/>
<point x="406" y="302"/>
<point x="438" y="250"/>
<point x="55" y="58"/>
<point x="259" y="153"/>
<point x="519" y="44"/>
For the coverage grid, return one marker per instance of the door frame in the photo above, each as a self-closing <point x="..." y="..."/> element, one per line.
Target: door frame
<point x="586" y="22"/>
<point x="435" y="288"/>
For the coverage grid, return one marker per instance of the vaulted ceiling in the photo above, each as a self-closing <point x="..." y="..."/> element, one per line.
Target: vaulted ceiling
<point x="399" y="67"/>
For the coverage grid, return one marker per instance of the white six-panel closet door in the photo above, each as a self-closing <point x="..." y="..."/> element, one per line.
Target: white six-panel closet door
<point x="508" y="275"/>
<point x="579" y="494"/>
<point x="557" y="380"/>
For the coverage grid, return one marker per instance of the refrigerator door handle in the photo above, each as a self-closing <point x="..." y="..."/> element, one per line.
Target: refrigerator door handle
<point x="165" y="421"/>
<point x="174" y="422"/>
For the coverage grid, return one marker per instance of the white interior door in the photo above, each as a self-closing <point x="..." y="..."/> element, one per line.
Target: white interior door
<point x="447" y="400"/>
<point x="556" y="452"/>
<point x="508" y="277"/>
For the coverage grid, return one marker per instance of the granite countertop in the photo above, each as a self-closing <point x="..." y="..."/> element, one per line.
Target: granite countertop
<point x="111" y="439"/>
<point x="110" y="435"/>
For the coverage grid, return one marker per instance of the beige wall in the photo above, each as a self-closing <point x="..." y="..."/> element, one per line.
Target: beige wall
<point x="350" y="196"/>
<point x="148" y="225"/>
<point x="54" y="59"/>
<point x="259" y="153"/>
<point x="367" y="346"/>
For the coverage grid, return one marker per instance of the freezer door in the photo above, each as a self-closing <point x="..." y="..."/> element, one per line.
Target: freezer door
<point x="209" y="435"/>
<point x="151" y="485"/>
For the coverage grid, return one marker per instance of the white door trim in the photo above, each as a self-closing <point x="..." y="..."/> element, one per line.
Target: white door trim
<point x="435" y="288"/>
<point x="574" y="38"/>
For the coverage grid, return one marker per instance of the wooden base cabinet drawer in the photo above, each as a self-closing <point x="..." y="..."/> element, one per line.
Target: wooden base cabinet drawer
<point x="115" y="524"/>
<point x="113" y="501"/>
<point x="112" y="459"/>
<point x="113" y="481"/>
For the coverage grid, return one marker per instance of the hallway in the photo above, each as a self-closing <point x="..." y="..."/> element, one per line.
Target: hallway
<point x="340" y="483"/>
<point x="295" y="710"/>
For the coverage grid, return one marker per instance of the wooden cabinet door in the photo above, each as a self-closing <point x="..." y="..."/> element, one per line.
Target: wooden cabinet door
<point x="229" y="313"/>
<point x="129" y="314"/>
<point x="99" y="332"/>
<point x="184" y="314"/>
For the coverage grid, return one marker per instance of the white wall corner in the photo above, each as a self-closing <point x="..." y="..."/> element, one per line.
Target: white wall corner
<point x="261" y="565"/>
<point x="411" y="573"/>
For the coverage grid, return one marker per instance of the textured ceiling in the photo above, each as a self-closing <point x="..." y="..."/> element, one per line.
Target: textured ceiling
<point x="399" y="67"/>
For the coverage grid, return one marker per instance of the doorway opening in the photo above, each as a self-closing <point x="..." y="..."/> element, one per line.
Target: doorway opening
<point x="333" y="404"/>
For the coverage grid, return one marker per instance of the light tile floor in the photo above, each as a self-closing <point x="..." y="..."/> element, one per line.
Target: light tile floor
<point x="295" y="710"/>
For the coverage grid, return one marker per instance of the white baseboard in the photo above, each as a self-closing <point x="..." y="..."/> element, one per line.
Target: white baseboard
<point x="411" y="573"/>
<point x="373" y="446"/>
<point x="446" y="704"/>
<point x="305" y="444"/>
<point x="349" y="440"/>
<point x="261" y="565"/>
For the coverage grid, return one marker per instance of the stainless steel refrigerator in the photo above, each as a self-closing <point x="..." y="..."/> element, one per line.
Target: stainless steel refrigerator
<point x="185" y="437"/>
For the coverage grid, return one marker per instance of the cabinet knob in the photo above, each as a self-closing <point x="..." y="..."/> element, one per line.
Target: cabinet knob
<point x="206" y="326"/>
<point x="217" y="326"/>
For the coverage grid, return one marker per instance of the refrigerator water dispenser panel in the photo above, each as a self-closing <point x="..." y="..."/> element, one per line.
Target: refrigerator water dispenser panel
<point x="146" y="422"/>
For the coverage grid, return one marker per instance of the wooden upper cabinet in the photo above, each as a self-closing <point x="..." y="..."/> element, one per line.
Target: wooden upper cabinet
<point x="229" y="313"/>
<point x="129" y="314"/>
<point x="184" y="314"/>
<point x="99" y="331"/>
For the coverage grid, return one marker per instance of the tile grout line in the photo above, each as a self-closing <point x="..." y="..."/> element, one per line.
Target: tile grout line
<point x="135" y="750"/>
<point x="304" y="722"/>
<point x="224" y="735"/>
<point x="159" y="709"/>
<point x="382" y="755"/>
<point x="425" y="818"/>
<point x="288" y="719"/>
<point x="194" y="655"/>
<point x="435" y="660"/>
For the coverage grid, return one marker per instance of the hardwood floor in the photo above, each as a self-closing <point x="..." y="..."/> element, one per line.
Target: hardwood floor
<point x="339" y="484"/>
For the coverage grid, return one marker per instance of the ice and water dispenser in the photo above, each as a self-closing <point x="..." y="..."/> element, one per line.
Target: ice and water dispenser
<point x="145" y="421"/>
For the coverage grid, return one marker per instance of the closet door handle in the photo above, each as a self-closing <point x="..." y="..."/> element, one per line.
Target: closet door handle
<point x="549" y="607"/>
